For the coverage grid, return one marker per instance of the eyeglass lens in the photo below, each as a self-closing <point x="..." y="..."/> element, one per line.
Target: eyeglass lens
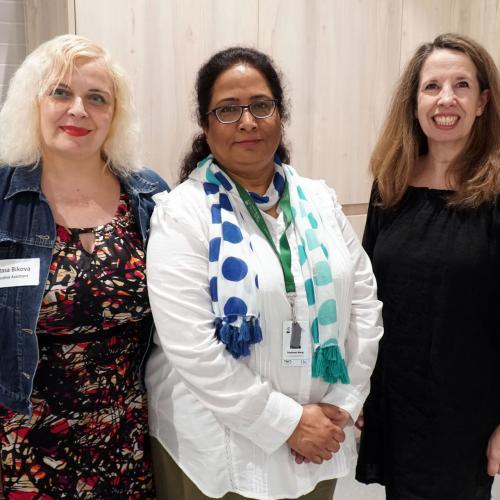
<point x="232" y="113"/>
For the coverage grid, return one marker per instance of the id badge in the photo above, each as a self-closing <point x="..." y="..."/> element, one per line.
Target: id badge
<point x="19" y="272"/>
<point x="296" y="343"/>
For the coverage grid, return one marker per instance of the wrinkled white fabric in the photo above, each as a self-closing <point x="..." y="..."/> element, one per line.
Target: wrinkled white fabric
<point x="225" y="421"/>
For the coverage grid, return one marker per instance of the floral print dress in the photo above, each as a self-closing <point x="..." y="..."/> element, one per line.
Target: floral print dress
<point x="87" y="436"/>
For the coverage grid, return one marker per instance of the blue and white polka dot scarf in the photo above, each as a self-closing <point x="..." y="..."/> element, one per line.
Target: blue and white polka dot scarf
<point x="233" y="279"/>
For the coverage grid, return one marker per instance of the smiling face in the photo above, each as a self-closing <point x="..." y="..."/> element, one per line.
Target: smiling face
<point x="76" y="113"/>
<point x="449" y="98"/>
<point x="248" y="145"/>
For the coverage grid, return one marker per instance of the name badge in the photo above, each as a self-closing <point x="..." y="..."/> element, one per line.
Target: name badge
<point x="296" y="343"/>
<point x="19" y="272"/>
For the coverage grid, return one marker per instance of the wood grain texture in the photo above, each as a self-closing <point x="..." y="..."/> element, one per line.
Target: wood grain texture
<point x="12" y="54"/>
<point x="339" y="59"/>
<point x="358" y="223"/>
<point x="12" y="41"/>
<point x="423" y="20"/>
<point x="11" y="34"/>
<point x="12" y="12"/>
<point x="162" y="45"/>
<point x="46" y="19"/>
<point x="357" y="209"/>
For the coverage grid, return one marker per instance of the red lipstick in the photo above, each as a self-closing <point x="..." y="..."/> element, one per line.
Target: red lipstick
<point x="75" y="131"/>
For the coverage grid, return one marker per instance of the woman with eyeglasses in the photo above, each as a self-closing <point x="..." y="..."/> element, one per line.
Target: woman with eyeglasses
<point x="265" y="306"/>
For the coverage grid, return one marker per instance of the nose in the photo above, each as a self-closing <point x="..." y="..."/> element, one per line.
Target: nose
<point x="247" y="120"/>
<point x="447" y="96"/>
<point x="77" y="109"/>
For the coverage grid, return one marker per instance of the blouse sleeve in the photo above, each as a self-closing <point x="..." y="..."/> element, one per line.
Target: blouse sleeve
<point x="365" y="326"/>
<point x="177" y="267"/>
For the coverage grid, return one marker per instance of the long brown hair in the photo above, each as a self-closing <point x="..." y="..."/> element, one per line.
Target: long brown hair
<point x="476" y="169"/>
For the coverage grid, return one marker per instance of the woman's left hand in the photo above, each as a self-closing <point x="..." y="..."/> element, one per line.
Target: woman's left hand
<point x="493" y="453"/>
<point x="337" y="415"/>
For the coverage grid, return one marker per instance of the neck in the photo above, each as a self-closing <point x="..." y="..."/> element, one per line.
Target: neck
<point x="74" y="175"/>
<point x="442" y="155"/>
<point x="433" y="169"/>
<point x="256" y="181"/>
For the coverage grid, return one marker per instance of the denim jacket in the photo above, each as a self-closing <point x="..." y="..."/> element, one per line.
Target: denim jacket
<point x="28" y="230"/>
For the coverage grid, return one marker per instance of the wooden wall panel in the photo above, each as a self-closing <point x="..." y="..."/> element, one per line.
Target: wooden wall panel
<point x="358" y="223"/>
<point x="12" y="41"/>
<point x="46" y="19"/>
<point x="11" y="11"/>
<point x="340" y="59"/>
<point x="162" y="45"/>
<point x="11" y="34"/>
<point x="423" y="20"/>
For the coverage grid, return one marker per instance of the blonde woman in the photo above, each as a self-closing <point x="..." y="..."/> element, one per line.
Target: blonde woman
<point x="76" y="322"/>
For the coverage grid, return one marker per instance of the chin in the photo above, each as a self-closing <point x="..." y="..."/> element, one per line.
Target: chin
<point x="77" y="154"/>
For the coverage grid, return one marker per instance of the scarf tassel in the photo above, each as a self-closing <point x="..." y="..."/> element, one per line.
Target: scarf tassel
<point x="329" y="364"/>
<point x="238" y="339"/>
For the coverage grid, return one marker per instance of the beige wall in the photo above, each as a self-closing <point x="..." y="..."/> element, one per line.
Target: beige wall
<point x="12" y="41"/>
<point x="340" y="58"/>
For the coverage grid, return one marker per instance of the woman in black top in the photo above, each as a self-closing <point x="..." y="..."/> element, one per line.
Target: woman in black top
<point x="431" y="423"/>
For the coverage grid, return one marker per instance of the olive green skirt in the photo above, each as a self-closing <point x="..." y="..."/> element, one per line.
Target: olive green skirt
<point x="172" y="484"/>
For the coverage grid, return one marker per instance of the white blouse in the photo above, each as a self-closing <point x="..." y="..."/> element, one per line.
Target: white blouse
<point x="226" y="421"/>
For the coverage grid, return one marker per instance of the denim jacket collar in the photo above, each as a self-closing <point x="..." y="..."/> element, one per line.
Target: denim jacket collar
<point x="137" y="184"/>
<point x="25" y="179"/>
<point x="28" y="179"/>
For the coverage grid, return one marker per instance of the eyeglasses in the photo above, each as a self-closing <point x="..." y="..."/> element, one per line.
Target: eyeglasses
<point x="231" y="113"/>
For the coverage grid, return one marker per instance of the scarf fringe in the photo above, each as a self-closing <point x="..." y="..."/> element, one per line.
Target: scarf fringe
<point x="238" y="339"/>
<point x="329" y="364"/>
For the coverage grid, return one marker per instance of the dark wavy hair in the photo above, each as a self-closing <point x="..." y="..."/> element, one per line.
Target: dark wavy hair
<point x="208" y="74"/>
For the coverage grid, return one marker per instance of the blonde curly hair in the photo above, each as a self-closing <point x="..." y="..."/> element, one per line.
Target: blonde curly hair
<point x="20" y="143"/>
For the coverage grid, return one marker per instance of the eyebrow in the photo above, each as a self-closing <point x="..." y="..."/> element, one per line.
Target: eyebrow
<point x="459" y="77"/>
<point x="469" y="78"/>
<point x="101" y="91"/>
<point x="252" y="98"/>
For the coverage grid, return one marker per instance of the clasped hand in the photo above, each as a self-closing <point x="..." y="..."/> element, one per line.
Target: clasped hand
<point x="319" y="433"/>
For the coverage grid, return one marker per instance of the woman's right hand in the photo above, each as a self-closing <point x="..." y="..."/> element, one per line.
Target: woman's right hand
<point x="316" y="437"/>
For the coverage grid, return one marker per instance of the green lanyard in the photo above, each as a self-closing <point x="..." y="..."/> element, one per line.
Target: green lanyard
<point x="284" y="254"/>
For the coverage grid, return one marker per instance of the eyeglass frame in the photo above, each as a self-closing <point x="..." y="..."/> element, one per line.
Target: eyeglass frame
<point x="242" y="109"/>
